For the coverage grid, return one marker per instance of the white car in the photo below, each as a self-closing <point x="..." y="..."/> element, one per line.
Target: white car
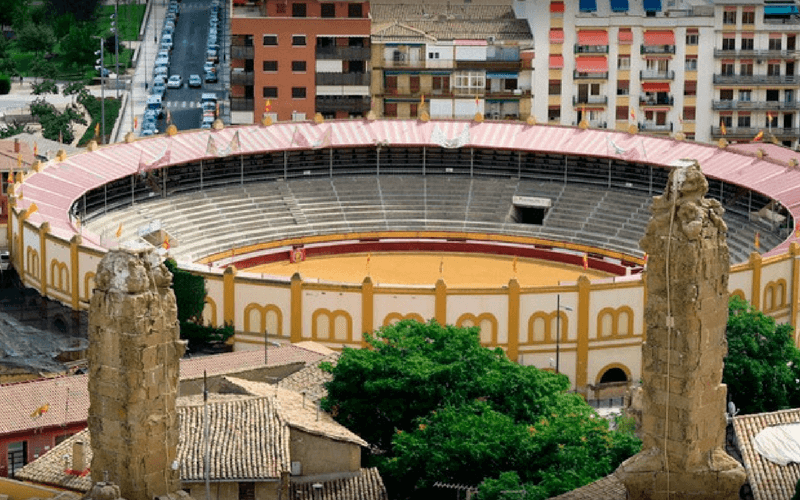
<point x="175" y="82"/>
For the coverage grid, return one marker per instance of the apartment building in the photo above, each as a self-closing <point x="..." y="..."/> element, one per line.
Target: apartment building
<point x="706" y="69"/>
<point x="291" y="59"/>
<point x="451" y="60"/>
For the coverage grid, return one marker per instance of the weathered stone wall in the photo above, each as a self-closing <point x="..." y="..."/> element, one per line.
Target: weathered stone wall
<point x="683" y="399"/>
<point x="321" y="455"/>
<point x="133" y="375"/>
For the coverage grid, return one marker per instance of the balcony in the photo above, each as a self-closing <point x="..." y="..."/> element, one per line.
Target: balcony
<point x="242" y="104"/>
<point x="655" y="127"/>
<point x="590" y="99"/>
<point x="656" y="101"/>
<point x="649" y="74"/>
<point x="490" y="65"/>
<point x="591" y="49"/>
<point x="758" y="54"/>
<point x="756" y="79"/>
<point x="593" y="124"/>
<point x="350" y="104"/>
<point x="755" y="105"/>
<point x="751" y="132"/>
<point x="241" y="77"/>
<point x="342" y="78"/>
<point x="419" y="64"/>
<point x="589" y="76"/>
<point x="657" y="49"/>
<point x="344" y="53"/>
<point x="787" y="21"/>
<point x="242" y="52"/>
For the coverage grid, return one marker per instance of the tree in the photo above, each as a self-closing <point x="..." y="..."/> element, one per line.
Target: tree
<point x="85" y="10"/>
<point x="45" y="87"/>
<point x="8" y="10"/>
<point x="56" y="125"/>
<point x="440" y="407"/>
<point x="762" y="368"/>
<point x="78" y="46"/>
<point x="36" y="38"/>
<point x="76" y="89"/>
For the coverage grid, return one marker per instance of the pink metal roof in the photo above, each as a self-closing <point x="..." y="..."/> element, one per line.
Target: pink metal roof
<point x="59" y="184"/>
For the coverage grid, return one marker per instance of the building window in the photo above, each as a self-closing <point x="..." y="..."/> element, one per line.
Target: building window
<point x="440" y="84"/>
<point x="743" y="121"/>
<point x="623" y="87"/>
<point x="270" y="65"/>
<point x="728" y="44"/>
<point x="691" y="63"/>
<point x="773" y="69"/>
<point x="746" y="69"/>
<point x="470" y="81"/>
<point x="298" y="66"/>
<point x="280" y="8"/>
<point x="414" y="110"/>
<point x="17" y="456"/>
<point x="554" y="113"/>
<point x="747" y="44"/>
<point x="690" y="87"/>
<point x="775" y="44"/>
<point x="298" y="40"/>
<point x="414" y="84"/>
<point x="298" y="92"/>
<point x="749" y="17"/>
<point x="689" y="114"/>
<point x="726" y="95"/>
<point x="391" y="84"/>
<point x="270" y="40"/>
<point x="727" y="69"/>
<point x="745" y="95"/>
<point x="729" y="17"/>
<point x="298" y="10"/>
<point x="692" y="38"/>
<point x="270" y="92"/>
<point x="727" y="120"/>
<point x="624" y="62"/>
<point x="328" y="10"/>
<point x="772" y="95"/>
<point x="554" y="87"/>
<point x="354" y="10"/>
<point x="622" y="112"/>
<point x="390" y="109"/>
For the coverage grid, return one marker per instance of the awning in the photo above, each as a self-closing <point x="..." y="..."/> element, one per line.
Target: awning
<point x="727" y="35"/>
<point x="588" y="5"/>
<point x="655" y="38"/>
<point x="775" y="36"/>
<point x="652" y="5"/>
<point x="780" y="10"/>
<point x="591" y="64"/>
<point x="556" y="35"/>
<point x="556" y="6"/>
<point x="748" y="34"/>
<point x="655" y="87"/>
<point x="619" y="5"/>
<point x="502" y="75"/>
<point x="625" y="36"/>
<point x="556" y="62"/>
<point x="592" y="37"/>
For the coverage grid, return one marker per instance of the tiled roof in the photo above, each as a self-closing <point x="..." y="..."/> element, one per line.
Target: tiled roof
<point x="768" y="480"/>
<point x="45" y="148"/>
<point x="8" y="157"/>
<point x="314" y="346"/>
<point x="232" y="362"/>
<point x="607" y="488"/>
<point x="298" y="411"/>
<point x="431" y="11"/>
<point x="51" y="468"/>
<point x="65" y="399"/>
<point x="248" y="439"/>
<point x="68" y="397"/>
<point x="310" y="379"/>
<point x="367" y="485"/>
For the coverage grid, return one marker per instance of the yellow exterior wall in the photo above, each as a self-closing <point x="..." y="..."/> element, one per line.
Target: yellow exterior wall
<point x="17" y="490"/>
<point x="320" y="455"/>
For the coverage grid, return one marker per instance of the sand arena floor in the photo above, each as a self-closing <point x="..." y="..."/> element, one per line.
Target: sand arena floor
<point x="458" y="270"/>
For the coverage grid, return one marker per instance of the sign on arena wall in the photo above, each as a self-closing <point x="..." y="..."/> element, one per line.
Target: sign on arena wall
<point x="298" y="254"/>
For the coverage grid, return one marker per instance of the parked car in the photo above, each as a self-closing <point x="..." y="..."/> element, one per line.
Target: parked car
<point x="210" y="77"/>
<point x="195" y="81"/>
<point x="159" y="88"/>
<point x="175" y="82"/>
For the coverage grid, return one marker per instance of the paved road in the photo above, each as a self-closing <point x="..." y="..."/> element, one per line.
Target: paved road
<point x="188" y="56"/>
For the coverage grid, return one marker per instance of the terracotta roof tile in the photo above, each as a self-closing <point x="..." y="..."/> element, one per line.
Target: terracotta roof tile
<point x="66" y="400"/>
<point x="311" y="379"/>
<point x="768" y="480"/>
<point x="367" y="485"/>
<point x="607" y="488"/>
<point x="232" y="362"/>
<point x="51" y="468"/>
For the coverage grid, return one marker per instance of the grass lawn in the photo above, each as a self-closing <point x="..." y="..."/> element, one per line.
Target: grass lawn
<point x="130" y="17"/>
<point x="112" y="110"/>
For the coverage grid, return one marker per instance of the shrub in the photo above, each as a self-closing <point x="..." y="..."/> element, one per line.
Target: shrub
<point x="5" y="84"/>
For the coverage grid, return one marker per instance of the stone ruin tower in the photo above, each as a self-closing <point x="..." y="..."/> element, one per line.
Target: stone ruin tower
<point x="683" y="400"/>
<point x="133" y="375"/>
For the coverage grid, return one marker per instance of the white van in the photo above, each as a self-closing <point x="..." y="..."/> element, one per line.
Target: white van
<point x="154" y="103"/>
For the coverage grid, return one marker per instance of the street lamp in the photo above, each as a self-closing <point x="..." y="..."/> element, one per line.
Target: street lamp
<point x="102" y="88"/>
<point x="559" y="307"/>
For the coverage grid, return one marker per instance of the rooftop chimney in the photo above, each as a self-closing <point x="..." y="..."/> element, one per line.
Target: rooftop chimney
<point x="79" y="456"/>
<point x="16" y="145"/>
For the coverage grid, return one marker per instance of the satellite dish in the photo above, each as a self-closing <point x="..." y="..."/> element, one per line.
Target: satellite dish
<point x="732" y="411"/>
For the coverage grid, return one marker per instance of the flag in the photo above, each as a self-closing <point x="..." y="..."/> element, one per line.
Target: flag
<point x="35" y="148"/>
<point x="33" y="208"/>
<point x="757" y="241"/>
<point x="166" y="242"/>
<point x="722" y="129"/>
<point x="422" y="100"/>
<point x="645" y="259"/>
<point x="585" y="261"/>
<point x="216" y="110"/>
<point x="38" y="412"/>
<point x="267" y="106"/>
<point x="19" y="160"/>
<point x="11" y="177"/>
<point x="119" y="230"/>
<point x="633" y="114"/>
<point x="135" y="122"/>
<point x="169" y="117"/>
<point x="97" y="129"/>
<point x="769" y="117"/>
<point x="759" y="136"/>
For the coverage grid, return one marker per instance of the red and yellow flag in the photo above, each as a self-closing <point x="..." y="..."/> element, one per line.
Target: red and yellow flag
<point x="422" y="100"/>
<point x="769" y="116"/>
<point x="135" y="122"/>
<point x="759" y="136"/>
<point x="267" y="106"/>
<point x="38" y="412"/>
<point x="166" y="242"/>
<point x="35" y="148"/>
<point x="757" y="241"/>
<point x="19" y="160"/>
<point x="585" y="261"/>
<point x="119" y="230"/>
<point x="722" y="128"/>
<point x="97" y="128"/>
<point x="633" y="114"/>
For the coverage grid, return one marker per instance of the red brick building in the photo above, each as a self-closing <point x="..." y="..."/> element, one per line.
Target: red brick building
<point x="292" y="59"/>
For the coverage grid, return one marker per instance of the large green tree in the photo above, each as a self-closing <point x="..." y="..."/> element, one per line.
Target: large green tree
<point x="762" y="368"/>
<point x="440" y="407"/>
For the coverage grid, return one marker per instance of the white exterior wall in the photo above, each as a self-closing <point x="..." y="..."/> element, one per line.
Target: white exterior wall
<point x="388" y="303"/>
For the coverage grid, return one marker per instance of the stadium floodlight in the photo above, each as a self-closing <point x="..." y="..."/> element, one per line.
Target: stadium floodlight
<point x="98" y="52"/>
